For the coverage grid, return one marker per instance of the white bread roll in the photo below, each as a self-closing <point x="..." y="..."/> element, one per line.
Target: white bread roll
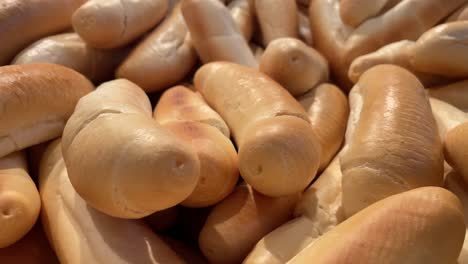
<point x="163" y="58"/>
<point x="214" y="33"/>
<point x="19" y="199"/>
<point x="456" y="149"/>
<point x="243" y="14"/>
<point x="114" y="23"/>
<point x="24" y="21"/>
<point x="268" y="125"/>
<point x="69" y="50"/>
<point x="80" y="234"/>
<point x="393" y="140"/>
<point x="455" y="94"/>
<point x="37" y="100"/>
<point x="145" y="167"/>
<point x="421" y="226"/>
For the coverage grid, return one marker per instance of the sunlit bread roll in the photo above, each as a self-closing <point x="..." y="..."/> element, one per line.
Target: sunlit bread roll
<point x="69" y="50"/>
<point x="446" y="116"/>
<point x="25" y="21"/>
<point x="243" y="14"/>
<point x="456" y="149"/>
<point x="181" y="103"/>
<point x="277" y="19"/>
<point x="455" y="94"/>
<point x="394" y="144"/>
<point x="36" y="101"/>
<point x="294" y="65"/>
<point x="421" y="226"/>
<point x="163" y="58"/>
<point x="80" y="234"/>
<point x="318" y="211"/>
<point x="328" y="111"/>
<point x="278" y="151"/>
<point x="114" y="23"/>
<point x="354" y="12"/>
<point x="218" y="161"/>
<point x="19" y="199"/>
<point x="214" y="33"/>
<point x="143" y="166"/>
<point x="460" y="15"/>
<point x="239" y="221"/>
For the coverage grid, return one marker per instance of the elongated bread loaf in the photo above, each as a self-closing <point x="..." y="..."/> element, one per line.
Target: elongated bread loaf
<point x="36" y="101"/>
<point x="24" y="21"/>
<point x="429" y="222"/>
<point x="19" y="199"/>
<point x="455" y="94"/>
<point x="139" y="167"/>
<point x="80" y="234"/>
<point x="278" y="151"/>
<point x="172" y="56"/>
<point x="394" y="144"/>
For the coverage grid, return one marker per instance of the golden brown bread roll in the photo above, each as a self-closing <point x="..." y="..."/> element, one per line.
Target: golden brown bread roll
<point x="218" y="162"/>
<point x="277" y="19"/>
<point x="238" y="222"/>
<point x="268" y="125"/>
<point x="214" y="33"/>
<point x="460" y="15"/>
<point x="25" y="21"/>
<point x="447" y="116"/>
<point x="114" y="23"/>
<point x="137" y="159"/>
<point x="19" y="199"/>
<point x="69" y="50"/>
<point x="163" y="58"/>
<point x="33" y="248"/>
<point x="243" y="13"/>
<point x="37" y="100"/>
<point x="294" y="65"/>
<point x="393" y="144"/>
<point x="455" y="149"/>
<point x="328" y="111"/>
<point x="318" y="211"/>
<point x="421" y="226"/>
<point x="80" y="234"/>
<point x="455" y="94"/>
<point x="181" y="103"/>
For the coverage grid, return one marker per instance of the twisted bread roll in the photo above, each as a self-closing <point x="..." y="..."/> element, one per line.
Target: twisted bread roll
<point x="239" y="221"/>
<point x="19" y="199"/>
<point x="80" y="234"/>
<point x="277" y="19"/>
<point x="425" y="225"/>
<point x="137" y="160"/>
<point x="36" y="101"/>
<point x="180" y="103"/>
<point x="294" y="65"/>
<point x="114" y="23"/>
<point x="214" y="33"/>
<point x="393" y="143"/>
<point x="455" y="149"/>
<point x="25" y="21"/>
<point x="172" y="56"/>
<point x="268" y="124"/>
<point x="243" y="14"/>
<point x="456" y="94"/>
<point x="70" y="50"/>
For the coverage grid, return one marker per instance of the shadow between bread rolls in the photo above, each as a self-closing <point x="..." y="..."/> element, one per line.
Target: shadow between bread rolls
<point x="136" y="167"/>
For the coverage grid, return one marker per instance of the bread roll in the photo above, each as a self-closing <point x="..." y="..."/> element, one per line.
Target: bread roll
<point x="277" y="19"/>
<point x="243" y="13"/>
<point x="180" y="103"/>
<point x="294" y="65"/>
<point x="395" y="145"/>
<point x="318" y="211"/>
<point x="460" y="15"/>
<point x="305" y="33"/>
<point x="328" y="111"/>
<point x="455" y="94"/>
<point x="80" y="234"/>
<point x="145" y="167"/>
<point x="36" y="101"/>
<point x="214" y="33"/>
<point x="421" y="226"/>
<point x="25" y="21"/>
<point x="354" y="12"/>
<point x="19" y="199"/>
<point x="33" y="248"/>
<point x="163" y="58"/>
<point x="455" y="149"/>
<point x="278" y="151"/>
<point x="447" y="116"/>
<point x="69" y="50"/>
<point x="238" y="222"/>
<point x="218" y="162"/>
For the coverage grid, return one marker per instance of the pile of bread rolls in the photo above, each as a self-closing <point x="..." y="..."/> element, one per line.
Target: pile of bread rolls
<point x="234" y="131"/>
